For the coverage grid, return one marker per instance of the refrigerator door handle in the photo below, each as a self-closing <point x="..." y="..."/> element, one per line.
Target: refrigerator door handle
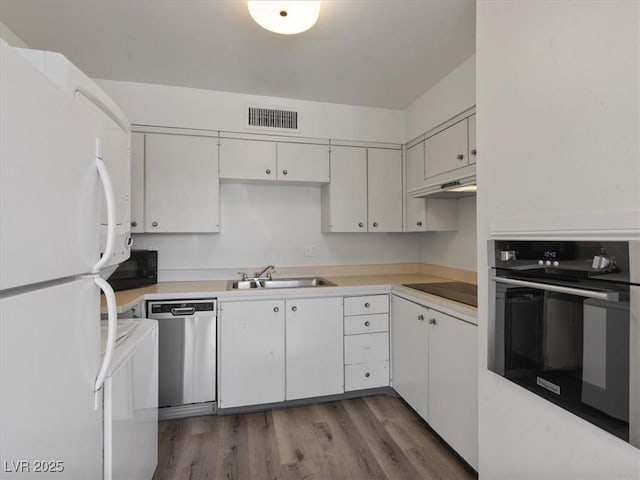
<point x="110" y="200"/>
<point x="111" y="336"/>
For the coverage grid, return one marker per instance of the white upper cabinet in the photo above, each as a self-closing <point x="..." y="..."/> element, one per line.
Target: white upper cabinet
<point x="447" y="150"/>
<point x="247" y="159"/>
<point x="385" y="190"/>
<point x="344" y="200"/>
<point x="244" y="159"/>
<point x="182" y="188"/>
<point x="365" y="192"/>
<point x="137" y="182"/>
<point x="300" y="162"/>
<point x="425" y="215"/>
<point x="472" y="139"/>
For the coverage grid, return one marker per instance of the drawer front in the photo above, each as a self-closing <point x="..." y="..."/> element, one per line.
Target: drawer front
<point x="366" y="375"/>
<point x="358" y="324"/>
<point x="370" y="347"/>
<point x="366" y="305"/>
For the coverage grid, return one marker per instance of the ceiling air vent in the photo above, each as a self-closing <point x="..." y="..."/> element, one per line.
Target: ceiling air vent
<point x="272" y="118"/>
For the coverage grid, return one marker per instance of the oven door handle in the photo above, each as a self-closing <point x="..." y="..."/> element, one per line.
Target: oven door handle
<point x="607" y="296"/>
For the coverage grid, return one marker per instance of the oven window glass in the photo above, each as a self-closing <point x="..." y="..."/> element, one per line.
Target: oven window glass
<point x="569" y="349"/>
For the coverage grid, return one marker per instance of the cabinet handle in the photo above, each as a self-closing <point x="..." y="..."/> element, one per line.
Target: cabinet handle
<point x="134" y="224"/>
<point x="268" y="171"/>
<point x="367" y="375"/>
<point x="375" y="224"/>
<point x="419" y="224"/>
<point x="276" y="309"/>
<point x="473" y="152"/>
<point x="421" y="317"/>
<point x="361" y="224"/>
<point x="154" y="224"/>
<point x="432" y="321"/>
<point x="284" y="172"/>
<point x="367" y="305"/>
<point x="367" y="323"/>
<point x="294" y="309"/>
<point x="460" y="156"/>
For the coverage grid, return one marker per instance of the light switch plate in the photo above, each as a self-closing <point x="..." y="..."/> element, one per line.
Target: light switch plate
<point x="310" y="250"/>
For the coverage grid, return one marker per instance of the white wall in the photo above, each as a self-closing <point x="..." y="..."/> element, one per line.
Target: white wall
<point x="268" y="224"/>
<point x="11" y="38"/>
<point x="563" y="68"/>
<point x="454" y="249"/>
<point x="150" y="104"/>
<point x="452" y="95"/>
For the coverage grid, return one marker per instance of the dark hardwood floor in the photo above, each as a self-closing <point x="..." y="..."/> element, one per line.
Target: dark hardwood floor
<point x="376" y="437"/>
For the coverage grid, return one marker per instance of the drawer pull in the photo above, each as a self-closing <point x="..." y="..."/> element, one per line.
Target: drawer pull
<point x="367" y="305"/>
<point x="367" y="375"/>
<point x="367" y="323"/>
<point x="432" y="321"/>
<point x="276" y="309"/>
<point x="294" y="309"/>
<point x="367" y="347"/>
<point x="421" y="317"/>
<point x="267" y="171"/>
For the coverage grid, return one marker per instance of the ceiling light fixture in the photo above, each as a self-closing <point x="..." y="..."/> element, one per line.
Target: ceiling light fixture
<point x="286" y="16"/>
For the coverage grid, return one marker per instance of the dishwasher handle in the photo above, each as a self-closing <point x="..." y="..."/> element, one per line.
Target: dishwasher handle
<point x="182" y="311"/>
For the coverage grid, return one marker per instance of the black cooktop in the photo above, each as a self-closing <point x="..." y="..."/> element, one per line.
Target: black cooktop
<point x="456" y="291"/>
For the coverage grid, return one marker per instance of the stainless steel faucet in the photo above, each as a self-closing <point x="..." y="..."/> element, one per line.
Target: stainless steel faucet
<point x="264" y="272"/>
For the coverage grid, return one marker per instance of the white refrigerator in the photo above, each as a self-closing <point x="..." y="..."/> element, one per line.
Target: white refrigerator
<point x="64" y="193"/>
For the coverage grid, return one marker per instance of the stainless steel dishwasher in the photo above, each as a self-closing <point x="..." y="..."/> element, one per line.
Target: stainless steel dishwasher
<point x="187" y="356"/>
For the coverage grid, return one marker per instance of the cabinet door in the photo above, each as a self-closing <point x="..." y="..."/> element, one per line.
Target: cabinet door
<point x="137" y="182"/>
<point x="182" y="188"/>
<point x="472" y="139"/>
<point x="385" y="190"/>
<point x="247" y="159"/>
<point x="252" y="353"/>
<point x="453" y="383"/>
<point x="447" y="150"/>
<point x="416" y="219"/>
<point x="344" y="200"/>
<point x="409" y="353"/>
<point x="314" y="352"/>
<point x="298" y="162"/>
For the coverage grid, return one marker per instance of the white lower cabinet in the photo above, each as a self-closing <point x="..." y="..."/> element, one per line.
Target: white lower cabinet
<point x="410" y="355"/>
<point x="314" y="347"/>
<point x="434" y="359"/>
<point x="453" y="383"/>
<point x="252" y="353"/>
<point x="277" y="350"/>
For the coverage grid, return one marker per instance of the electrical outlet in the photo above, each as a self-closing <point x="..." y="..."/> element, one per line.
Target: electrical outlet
<point x="310" y="250"/>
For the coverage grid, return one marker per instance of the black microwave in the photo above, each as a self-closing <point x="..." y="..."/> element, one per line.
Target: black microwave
<point x="139" y="270"/>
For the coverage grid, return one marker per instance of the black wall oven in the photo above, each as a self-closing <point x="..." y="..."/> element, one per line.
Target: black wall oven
<point x="564" y="324"/>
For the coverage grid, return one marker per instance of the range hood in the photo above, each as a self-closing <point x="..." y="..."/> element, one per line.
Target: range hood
<point x="455" y="184"/>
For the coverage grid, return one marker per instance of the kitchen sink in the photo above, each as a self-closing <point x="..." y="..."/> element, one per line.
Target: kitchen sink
<point x="279" y="283"/>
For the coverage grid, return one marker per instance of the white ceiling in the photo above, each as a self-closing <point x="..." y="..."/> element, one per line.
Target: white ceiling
<point x="380" y="53"/>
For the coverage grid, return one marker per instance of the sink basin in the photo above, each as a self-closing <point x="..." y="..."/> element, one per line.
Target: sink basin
<point x="280" y="283"/>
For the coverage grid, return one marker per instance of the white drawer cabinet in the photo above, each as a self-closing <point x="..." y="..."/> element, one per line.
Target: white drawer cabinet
<point x="358" y="324"/>
<point x="367" y="304"/>
<point x="366" y="375"/>
<point x="369" y="347"/>
<point x="366" y="342"/>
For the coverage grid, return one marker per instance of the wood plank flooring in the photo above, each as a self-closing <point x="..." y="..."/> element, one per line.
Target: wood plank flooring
<point x="375" y="437"/>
